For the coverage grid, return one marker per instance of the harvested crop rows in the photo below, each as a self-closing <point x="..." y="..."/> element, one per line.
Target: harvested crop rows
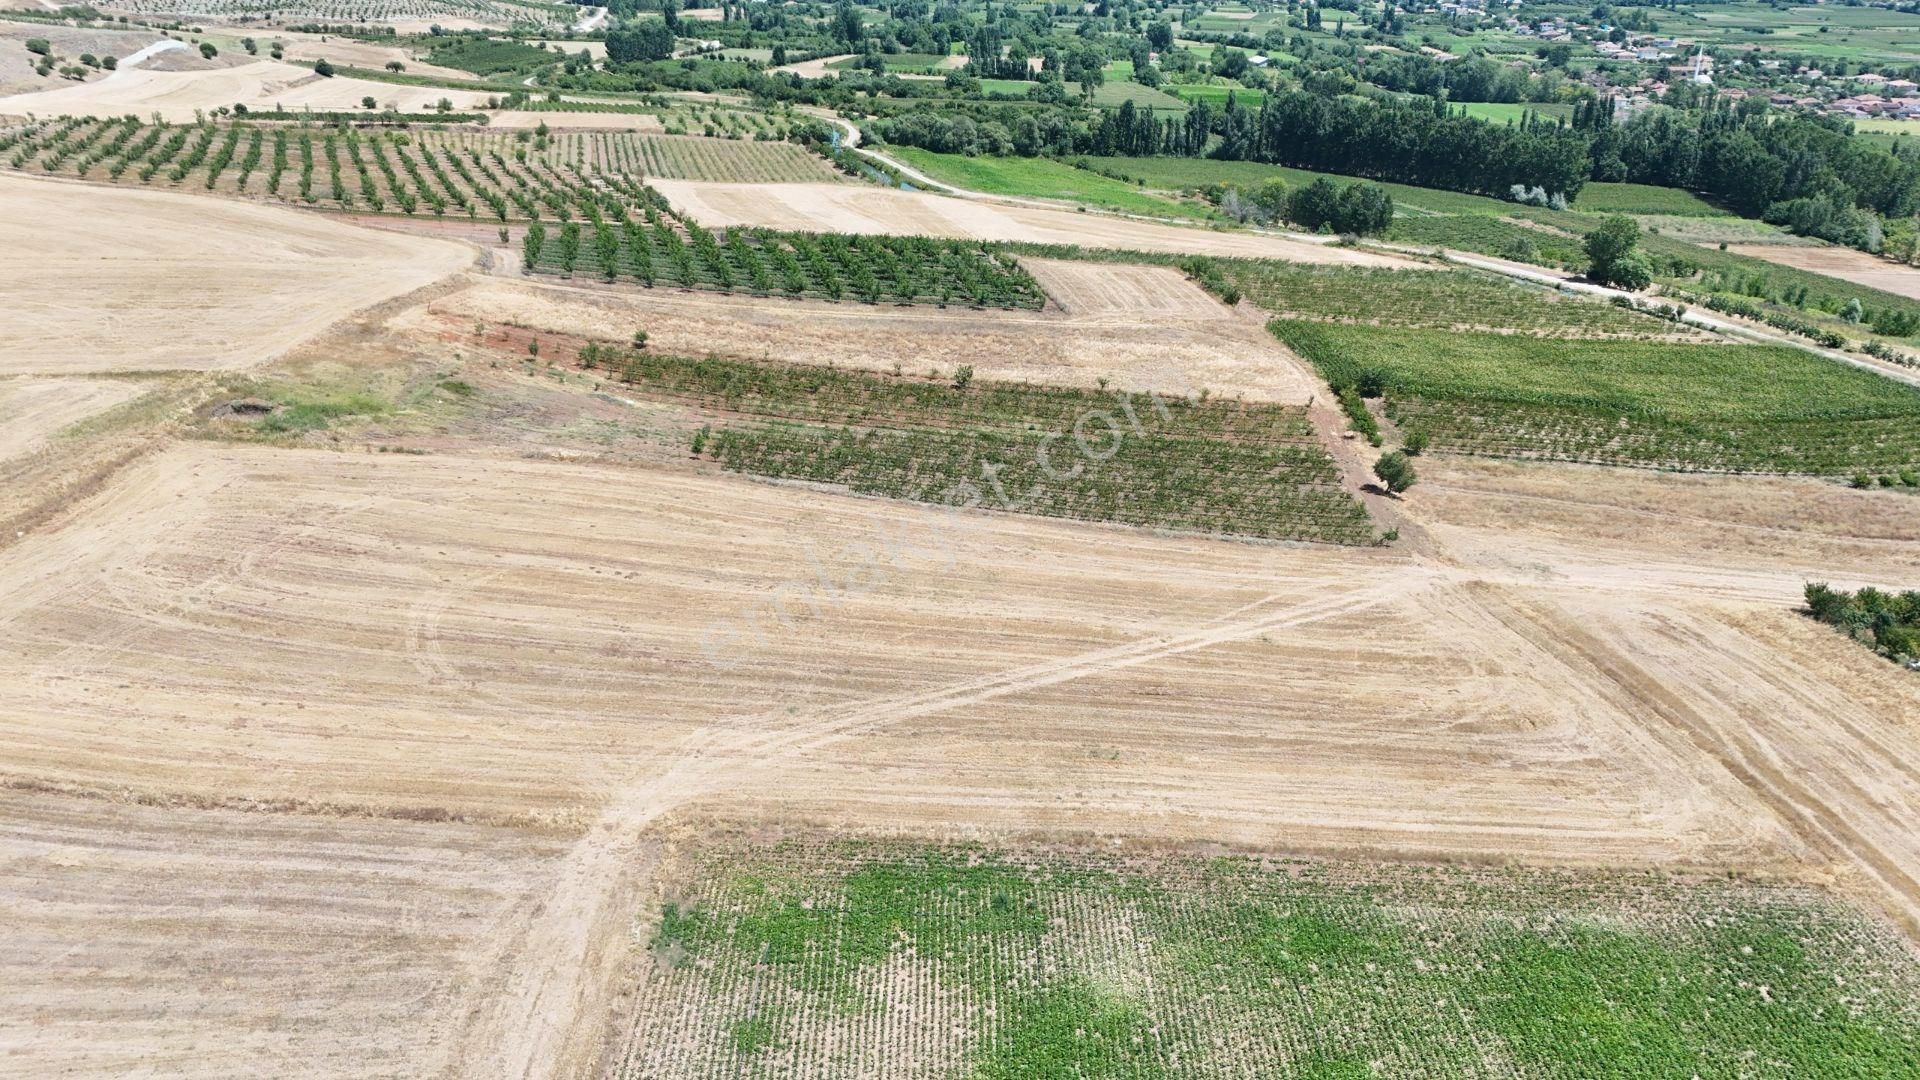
<point x="1733" y="408"/>
<point x="832" y="958"/>
<point x="33" y="410"/>
<point x="173" y="941"/>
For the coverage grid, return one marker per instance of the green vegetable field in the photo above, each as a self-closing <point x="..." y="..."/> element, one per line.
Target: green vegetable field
<point x="835" y="957"/>
<point x="1737" y="408"/>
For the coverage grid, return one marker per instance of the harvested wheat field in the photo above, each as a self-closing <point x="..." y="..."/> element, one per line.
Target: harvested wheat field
<point x="34" y="410"/>
<point x="1839" y="262"/>
<point x="361" y="54"/>
<point x="1115" y="291"/>
<point x="854" y="208"/>
<point x="263" y="86"/>
<point x="180" y="942"/>
<point x="146" y="280"/>
<point x="469" y="639"/>
<point x="1197" y="344"/>
<point x="414" y="668"/>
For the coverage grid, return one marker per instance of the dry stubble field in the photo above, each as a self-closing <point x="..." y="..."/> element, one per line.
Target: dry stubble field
<point x="858" y="208"/>
<point x="135" y="280"/>
<point x="1196" y="342"/>
<point x="262" y="85"/>
<point x="324" y="762"/>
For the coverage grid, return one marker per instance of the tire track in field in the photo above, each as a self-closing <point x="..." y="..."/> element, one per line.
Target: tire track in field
<point x="1740" y="747"/>
<point x="560" y="969"/>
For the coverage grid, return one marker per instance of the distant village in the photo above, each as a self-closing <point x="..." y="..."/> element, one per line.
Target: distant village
<point x="1863" y="96"/>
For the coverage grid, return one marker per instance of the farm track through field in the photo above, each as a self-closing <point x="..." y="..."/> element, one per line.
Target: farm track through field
<point x="473" y="631"/>
<point x="1825" y="820"/>
<point x="533" y="1027"/>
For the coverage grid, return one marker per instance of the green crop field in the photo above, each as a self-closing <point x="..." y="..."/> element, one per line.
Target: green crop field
<point x="1178" y="174"/>
<point x="1714" y="271"/>
<point x="1738" y="408"/>
<point x="1442" y="299"/>
<point x="1211" y="465"/>
<point x="1216" y="95"/>
<point x="1512" y="112"/>
<point x="903" y="63"/>
<point x="1490" y="235"/>
<point x="1042" y="178"/>
<point x="657" y="248"/>
<point x="1114" y="91"/>
<point x="831" y="956"/>
<point x="1598" y="198"/>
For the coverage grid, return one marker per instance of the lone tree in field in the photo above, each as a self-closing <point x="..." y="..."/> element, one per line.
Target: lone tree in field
<point x="1614" y="258"/>
<point x="1396" y="471"/>
<point x="322" y="68"/>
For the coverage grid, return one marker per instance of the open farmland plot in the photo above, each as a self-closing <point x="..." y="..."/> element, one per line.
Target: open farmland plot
<point x="1441" y="299"/>
<point x="814" y="957"/>
<point x="1197" y="464"/>
<point x="33" y="410"/>
<point x="410" y="14"/>
<point x="1737" y="408"/>
<point x="860" y="208"/>
<point x="545" y="597"/>
<point x="892" y="269"/>
<point x="476" y="175"/>
<point x="145" y="280"/>
<point x="437" y="171"/>
<point x="691" y="157"/>
<point x="1116" y="290"/>
<point x="1843" y="263"/>
<point x="262" y="86"/>
<point x="1080" y="347"/>
<point x="1044" y="178"/>
<point x="1599" y="198"/>
<point x="178" y="942"/>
